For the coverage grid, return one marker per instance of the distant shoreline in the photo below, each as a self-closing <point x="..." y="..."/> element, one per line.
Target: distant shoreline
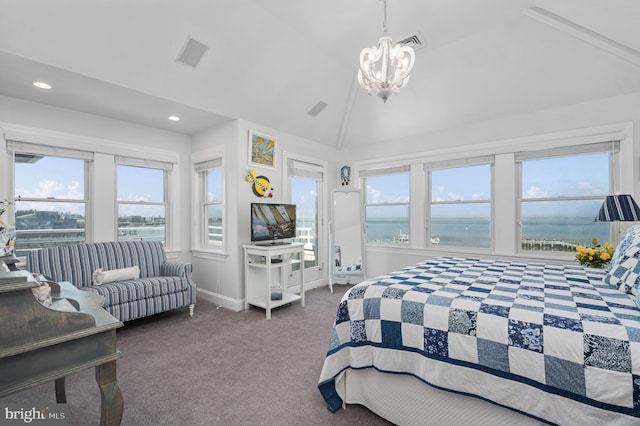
<point x="560" y="234"/>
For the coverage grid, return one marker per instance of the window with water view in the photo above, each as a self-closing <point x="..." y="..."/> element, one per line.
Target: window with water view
<point x="50" y="205"/>
<point x="387" y="208"/>
<point x="461" y="206"/>
<point x="560" y="199"/>
<point x="141" y="207"/>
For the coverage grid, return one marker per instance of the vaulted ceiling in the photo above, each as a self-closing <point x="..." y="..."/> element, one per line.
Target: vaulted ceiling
<point x="271" y="61"/>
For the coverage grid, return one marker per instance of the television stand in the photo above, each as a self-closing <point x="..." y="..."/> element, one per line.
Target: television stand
<point x="266" y="269"/>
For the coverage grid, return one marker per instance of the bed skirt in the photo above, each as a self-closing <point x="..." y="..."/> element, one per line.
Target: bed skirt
<point x="405" y="400"/>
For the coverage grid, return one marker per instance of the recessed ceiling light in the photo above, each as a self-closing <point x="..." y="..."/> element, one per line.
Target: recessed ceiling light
<point x="42" y="85"/>
<point x="174" y="118"/>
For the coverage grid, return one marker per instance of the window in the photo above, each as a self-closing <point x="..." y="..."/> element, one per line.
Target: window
<point x="304" y="194"/>
<point x="50" y="196"/>
<point x="460" y="205"/>
<point x="141" y="200"/>
<point x="560" y="196"/>
<point x="387" y="205"/>
<point x="212" y="206"/>
<point x="210" y="184"/>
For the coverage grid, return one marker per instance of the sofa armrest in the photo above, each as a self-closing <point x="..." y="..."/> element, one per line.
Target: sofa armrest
<point x="176" y="269"/>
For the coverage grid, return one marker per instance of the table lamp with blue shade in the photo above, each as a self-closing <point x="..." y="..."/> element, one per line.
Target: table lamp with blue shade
<point x="618" y="208"/>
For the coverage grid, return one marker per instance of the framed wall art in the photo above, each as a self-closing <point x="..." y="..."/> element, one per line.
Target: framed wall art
<point x="262" y="150"/>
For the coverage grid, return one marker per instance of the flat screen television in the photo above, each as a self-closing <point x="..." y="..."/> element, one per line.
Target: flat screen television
<point x="272" y="223"/>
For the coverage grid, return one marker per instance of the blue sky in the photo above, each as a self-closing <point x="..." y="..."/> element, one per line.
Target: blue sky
<point x="566" y="176"/>
<point x="461" y="184"/>
<point x="388" y="189"/>
<point x="50" y="177"/>
<point x="61" y="178"/>
<point x="304" y="194"/>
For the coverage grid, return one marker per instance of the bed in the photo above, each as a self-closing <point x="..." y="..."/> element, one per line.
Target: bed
<point x="491" y="342"/>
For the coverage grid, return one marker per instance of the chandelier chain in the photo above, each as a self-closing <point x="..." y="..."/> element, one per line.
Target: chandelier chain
<point x="384" y="21"/>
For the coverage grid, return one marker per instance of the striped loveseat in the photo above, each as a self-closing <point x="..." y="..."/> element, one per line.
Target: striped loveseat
<point x="161" y="286"/>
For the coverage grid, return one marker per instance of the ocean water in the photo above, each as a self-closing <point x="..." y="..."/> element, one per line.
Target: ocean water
<point x="471" y="232"/>
<point x="475" y="232"/>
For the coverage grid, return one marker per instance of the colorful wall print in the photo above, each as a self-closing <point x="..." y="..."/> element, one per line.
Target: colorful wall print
<point x="262" y="150"/>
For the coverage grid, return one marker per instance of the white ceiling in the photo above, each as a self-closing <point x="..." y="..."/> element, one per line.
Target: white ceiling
<point x="271" y="61"/>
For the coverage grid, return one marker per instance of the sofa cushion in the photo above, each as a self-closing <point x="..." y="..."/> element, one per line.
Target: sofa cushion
<point x="147" y="255"/>
<point x="127" y="291"/>
<point x="102" y="277"/>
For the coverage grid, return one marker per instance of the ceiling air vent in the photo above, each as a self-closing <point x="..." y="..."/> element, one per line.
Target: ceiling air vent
<point x="317" y="108"/>
<point x="414" y="41"/>
<point x="192" y="52"/>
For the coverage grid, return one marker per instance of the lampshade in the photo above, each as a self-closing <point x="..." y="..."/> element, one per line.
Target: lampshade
<point x="384" y="69"/>
<point x="618" y="208"/>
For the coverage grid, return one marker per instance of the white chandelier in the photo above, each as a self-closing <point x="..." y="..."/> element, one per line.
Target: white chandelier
<point x="384" y="69"/>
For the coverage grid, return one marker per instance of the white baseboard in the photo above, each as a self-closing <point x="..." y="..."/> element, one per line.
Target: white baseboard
<point x="220" y="300"/>
<point x="237" y="305"/>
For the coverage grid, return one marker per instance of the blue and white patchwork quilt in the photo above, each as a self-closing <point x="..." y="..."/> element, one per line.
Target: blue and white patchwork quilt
<point x="551" y="341"/>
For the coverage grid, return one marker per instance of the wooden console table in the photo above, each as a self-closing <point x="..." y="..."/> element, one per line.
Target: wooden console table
<point x="41" y="344"/>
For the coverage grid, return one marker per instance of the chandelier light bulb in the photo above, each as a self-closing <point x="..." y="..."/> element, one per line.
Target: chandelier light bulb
<point x="42" y="85"/>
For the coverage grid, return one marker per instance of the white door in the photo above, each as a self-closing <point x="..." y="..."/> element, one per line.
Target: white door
<point x="305" y="193"/>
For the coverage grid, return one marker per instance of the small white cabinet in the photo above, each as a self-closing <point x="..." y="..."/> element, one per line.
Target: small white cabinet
<point x="266" y="268"/>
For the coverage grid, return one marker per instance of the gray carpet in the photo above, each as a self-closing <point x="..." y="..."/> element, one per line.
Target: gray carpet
<point x="217" y="368"/>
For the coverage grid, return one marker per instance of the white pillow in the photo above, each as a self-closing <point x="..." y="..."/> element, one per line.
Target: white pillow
<point x="103" y="277"/>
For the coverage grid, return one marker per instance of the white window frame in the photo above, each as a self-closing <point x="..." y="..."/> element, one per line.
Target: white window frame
<point x="202" y="169"/>
<point x="377" y="172"/>
<point x="101" y="206"/>
<point x="167" y="168"/>
<point x="15" y="147"/>
<point x="506" y="187"/>
<point x="612" y="147"/>
<point x="200" y="162"/>
<point x="455" y="164"/>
